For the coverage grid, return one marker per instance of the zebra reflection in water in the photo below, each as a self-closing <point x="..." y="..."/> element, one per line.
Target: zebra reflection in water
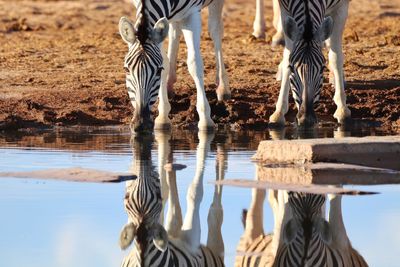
<point x="178" y="243"/>
<point x="301" y="235"/>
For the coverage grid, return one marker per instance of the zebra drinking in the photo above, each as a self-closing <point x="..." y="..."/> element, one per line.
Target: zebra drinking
<point x="147" y="66"/>
<point x="307" y="25"/>
<point x="178" y="243"/>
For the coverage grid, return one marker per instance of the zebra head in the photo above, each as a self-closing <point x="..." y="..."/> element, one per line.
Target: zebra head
<point x="307" y="220"/>
<point x="143" y="203"/>
<point x="143" y="67"/>
<point x="306" y="64"/>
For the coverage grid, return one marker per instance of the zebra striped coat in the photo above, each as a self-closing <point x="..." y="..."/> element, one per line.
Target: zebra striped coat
<point x="154" y="244"/>
<point x="304" y="239"/>
<point x="150" y="73"/>
<point x="308" y="24"/>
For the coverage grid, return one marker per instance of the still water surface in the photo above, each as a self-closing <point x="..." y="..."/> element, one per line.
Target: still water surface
<point x="47" y="223"/>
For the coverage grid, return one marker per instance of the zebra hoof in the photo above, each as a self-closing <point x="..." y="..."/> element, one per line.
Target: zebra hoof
<point x="256" y="37"/>
<point x="206" y="125"/>
<point x="278" y="42"/>
<point x="162" y="124"/>
<point x="276" y="120"/>
<point x="223" y="92"/>
<point x="224" y="97"/>
<point x="342" y="115"/>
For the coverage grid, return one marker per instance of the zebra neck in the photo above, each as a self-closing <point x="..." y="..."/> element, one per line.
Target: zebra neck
<point x="146" y="251"/>
<point x="302" y="10"/>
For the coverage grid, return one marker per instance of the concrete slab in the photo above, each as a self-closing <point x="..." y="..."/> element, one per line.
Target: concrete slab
<point x="72" y="174"/>
<point x="312" y="189"/>
<point x="379" y="152"/>
<point x="326" y="174"/>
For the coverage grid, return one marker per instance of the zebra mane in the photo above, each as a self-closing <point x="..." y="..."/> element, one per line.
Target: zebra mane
<point x="308" y="27"/>
<point x="142" y="32"/>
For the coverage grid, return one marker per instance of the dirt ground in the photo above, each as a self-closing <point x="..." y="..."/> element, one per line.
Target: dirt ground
<point x="61" y="64"/>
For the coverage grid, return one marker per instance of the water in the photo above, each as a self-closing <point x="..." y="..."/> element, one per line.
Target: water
<point x="50" y="223"/>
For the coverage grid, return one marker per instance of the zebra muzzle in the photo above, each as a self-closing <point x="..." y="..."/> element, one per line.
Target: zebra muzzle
<point x="142" y="120"/>
<point x="306" y="115"/>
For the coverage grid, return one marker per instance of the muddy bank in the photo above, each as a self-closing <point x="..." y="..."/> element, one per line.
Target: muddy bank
<point x="61" y="64"/>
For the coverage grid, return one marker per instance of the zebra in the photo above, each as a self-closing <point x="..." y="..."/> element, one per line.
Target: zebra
<point x="301" y="235"/>
<point x="307" y="24"/>
<point x="178" y="243"/>
<point x="259" y="23"/>
<point x="147" y="66"/>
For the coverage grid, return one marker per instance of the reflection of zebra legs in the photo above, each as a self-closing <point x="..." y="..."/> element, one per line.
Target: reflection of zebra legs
<point x="328" y="244"/>
<point x="254" y="245"/>
<point x="191" y="224"/>
<point x="340" y="239"/>
<point x="215" y="214"/>
<point x="308" y="239"/>
<point x="164" y="156"/>
<point x="188" y="232"/>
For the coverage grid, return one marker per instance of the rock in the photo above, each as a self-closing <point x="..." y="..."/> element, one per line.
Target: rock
<point x="379" y="152"/>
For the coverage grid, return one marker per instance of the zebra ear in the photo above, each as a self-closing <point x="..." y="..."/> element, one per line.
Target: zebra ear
<point x="127" y="235"/>
<point x="127" y="30"/>
<point x="324" y="230"/>
<point x="292" y="31"/>
<point x="325" y="30"/>
<point x="290" y="230"/>
<point x="160" y="237"/>
<point x="160" y="30"/>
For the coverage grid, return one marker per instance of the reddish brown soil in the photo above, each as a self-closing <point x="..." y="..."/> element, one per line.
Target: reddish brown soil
<point x="61" y="64"/>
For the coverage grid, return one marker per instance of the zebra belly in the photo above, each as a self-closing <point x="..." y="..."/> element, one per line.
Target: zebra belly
<point x="173" y="10"/>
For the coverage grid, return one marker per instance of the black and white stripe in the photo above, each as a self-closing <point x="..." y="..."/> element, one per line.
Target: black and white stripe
<point x="143" y="65"/>
<point x="301" y="237"/>
<point x="307" y="69"/>
<point x="170" y="9"/>
<point x="306" y="61"/>
<point x="143" y="204"/>
<point x="144" y="61"/>
<point x="310" y="243"/>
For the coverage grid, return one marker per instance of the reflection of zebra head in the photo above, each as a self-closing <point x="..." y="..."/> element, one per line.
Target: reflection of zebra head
<point x="143" y="203"/>
<point x="143" y="66"/>
<point x="306" y="206"/>
<point x="306" y="234"/>
<point x="306" y="64"/>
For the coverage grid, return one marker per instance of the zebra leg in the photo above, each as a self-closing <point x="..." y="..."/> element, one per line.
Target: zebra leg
<point x="162" y="121"/>
<point x="254" y="218"/>
<point x="215" y="214"/>
<point x="174" y="35"/>
<point x="278" y="200"/>
<point x="174" y="214"/>
<point x="164" y="153"/>
<point x="191" y="229"/>
<point x="191" y="28"/>
<point x="340" y="239"/>
<point x="282" y="105"/>
<point x="259" y="22"/>
<point x="216" y="30"/>
<point x="279" y="37"/>
<point x="339" y="17"/>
